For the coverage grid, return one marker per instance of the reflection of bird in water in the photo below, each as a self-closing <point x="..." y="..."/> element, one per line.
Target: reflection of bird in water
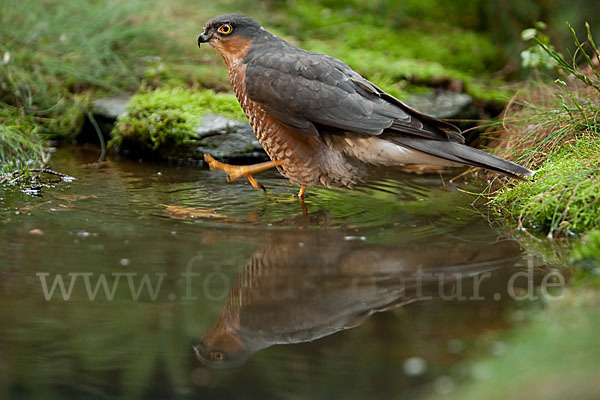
<point x="303" y="286"/>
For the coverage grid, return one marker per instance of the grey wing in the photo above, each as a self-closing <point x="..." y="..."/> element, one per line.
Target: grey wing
<point x="308" y="90"/>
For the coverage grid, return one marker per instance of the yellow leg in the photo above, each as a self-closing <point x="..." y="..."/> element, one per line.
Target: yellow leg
<point x="302" y="190"/>
<point x="237" y="171"/>
<point x="303" y="205"/>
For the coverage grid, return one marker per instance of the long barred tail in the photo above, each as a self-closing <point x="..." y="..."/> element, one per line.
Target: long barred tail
<point x="463" y="154"/>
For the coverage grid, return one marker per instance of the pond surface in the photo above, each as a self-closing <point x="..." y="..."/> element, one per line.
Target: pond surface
<point x="143" y="280"/>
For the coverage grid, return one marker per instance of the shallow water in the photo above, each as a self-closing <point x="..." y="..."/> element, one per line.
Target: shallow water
<point x="384" y="291"/>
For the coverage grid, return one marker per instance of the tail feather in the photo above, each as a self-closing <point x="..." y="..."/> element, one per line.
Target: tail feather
<point x="463" y="154"/>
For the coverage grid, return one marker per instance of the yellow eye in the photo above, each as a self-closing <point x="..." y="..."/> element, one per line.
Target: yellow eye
<point x="226" y="29"/>
<point x="217" y="356"/>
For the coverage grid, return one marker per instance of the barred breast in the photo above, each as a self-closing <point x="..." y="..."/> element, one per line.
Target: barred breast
<point x="307" y="160"/>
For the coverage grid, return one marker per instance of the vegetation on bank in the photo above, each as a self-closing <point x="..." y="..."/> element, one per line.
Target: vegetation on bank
<point x="557" y="132"/>
<point x="19" y="143"/>
<point x="53" y="61"/>
<point x="54" y="57"/>
<point x="564" y="197"/>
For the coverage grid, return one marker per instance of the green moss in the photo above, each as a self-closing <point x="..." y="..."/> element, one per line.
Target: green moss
<point x="565" y="194"/>
<point x="163" y="121"/>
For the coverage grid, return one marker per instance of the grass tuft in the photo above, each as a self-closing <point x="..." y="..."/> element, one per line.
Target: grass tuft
<point x="19" y="144"/>
<point x="54" y="56"/>
<point x="557" y="132"/>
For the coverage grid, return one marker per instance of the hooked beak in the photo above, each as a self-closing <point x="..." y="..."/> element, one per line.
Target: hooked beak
<point x="203" y="38"/>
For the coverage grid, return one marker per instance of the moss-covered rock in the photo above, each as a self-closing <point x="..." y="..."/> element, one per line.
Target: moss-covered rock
<point x="184" y="123"/>
<point x="164" y="122"/>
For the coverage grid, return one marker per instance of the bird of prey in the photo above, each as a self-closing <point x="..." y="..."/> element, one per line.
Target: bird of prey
<point x="319" y="121"/>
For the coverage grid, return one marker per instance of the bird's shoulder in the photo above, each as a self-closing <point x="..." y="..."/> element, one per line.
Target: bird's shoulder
<point x="281" y="58"/>
<point x="300" y="85"/>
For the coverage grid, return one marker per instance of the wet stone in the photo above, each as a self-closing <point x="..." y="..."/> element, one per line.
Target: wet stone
<point x="228" y="139"/>
<point x="110" y="108"/>
<point x="105" y="112"/>
<point x="444" y="104"/>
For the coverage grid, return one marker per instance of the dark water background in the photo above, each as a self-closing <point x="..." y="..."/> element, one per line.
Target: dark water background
<point x="373" y="293"/>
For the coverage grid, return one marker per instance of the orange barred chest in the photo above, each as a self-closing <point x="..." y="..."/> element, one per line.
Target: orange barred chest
<point x="254" y="111"/>
<point x="280" y="142"/>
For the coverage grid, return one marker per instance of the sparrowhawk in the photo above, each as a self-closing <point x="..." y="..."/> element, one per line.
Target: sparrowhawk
<point x="319" y="121"/>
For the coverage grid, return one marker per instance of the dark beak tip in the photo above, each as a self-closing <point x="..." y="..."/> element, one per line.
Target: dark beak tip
<point x="203" y="39"/>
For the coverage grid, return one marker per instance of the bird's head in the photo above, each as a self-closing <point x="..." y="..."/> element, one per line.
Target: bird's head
<point x="222" y="347"/>
<point x="230" y="35"/>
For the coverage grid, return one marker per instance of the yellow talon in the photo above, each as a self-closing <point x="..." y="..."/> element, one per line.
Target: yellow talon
<point x="237" y="171"/>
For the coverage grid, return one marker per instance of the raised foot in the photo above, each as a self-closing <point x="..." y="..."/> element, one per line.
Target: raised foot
<point x="237" y="171"/>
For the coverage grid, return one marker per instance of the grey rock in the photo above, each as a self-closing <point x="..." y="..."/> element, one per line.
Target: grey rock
<point x="111" y="107"/>
<point x="105" y="112"/>
<point x="443" y="104"/>
<point x="217" y="125"/>
<point x="227" y="139"/>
